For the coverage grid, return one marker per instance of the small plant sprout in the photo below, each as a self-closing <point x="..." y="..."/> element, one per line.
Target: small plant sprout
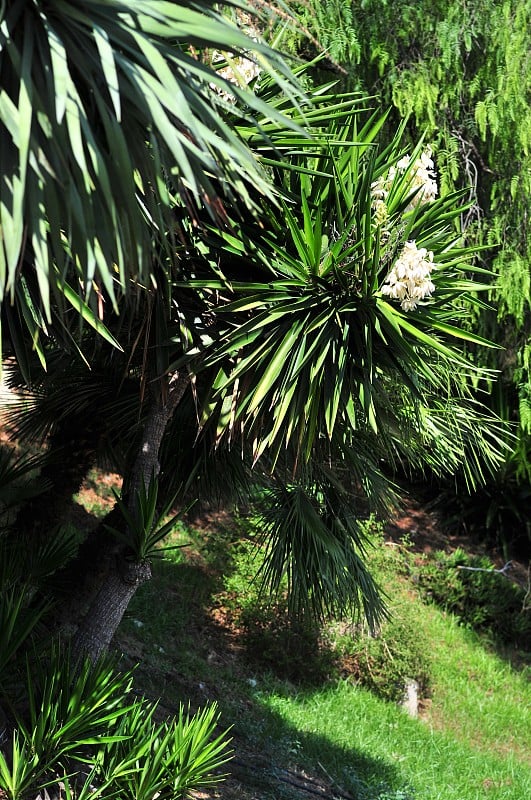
<point x="145" y="525"/>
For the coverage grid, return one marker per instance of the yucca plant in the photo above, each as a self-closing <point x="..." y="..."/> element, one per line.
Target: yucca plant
<point x="71" y="705"/>
<point x="82" y="725"/>
<point x="297" y="346"/>
<point x="77" y="721"/>
<point x="311" y="361"/>
<point x="315" y="551"/>
<point x="168" y="758"/>
<point x="345" y="348"/>
<point x="23" y="571"/>
<point x="146" y="523"/>
<point x="320" y="346"/>
<point x="17" y="622"/>
<point x="19" y="768"/>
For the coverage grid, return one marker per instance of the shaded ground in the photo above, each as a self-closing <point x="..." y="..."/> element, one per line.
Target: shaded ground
<point x="261" y="775"/>
<point x="424" y="530"/>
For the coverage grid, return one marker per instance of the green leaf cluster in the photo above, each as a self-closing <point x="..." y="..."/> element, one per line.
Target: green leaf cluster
<point x="146" y="524"/>
<point x="109" y="119"/>
<point x="479" y="595"/>
<point x="84" y="727"/>
<point x="314" y="356"/>
<point x="459" y="73"/>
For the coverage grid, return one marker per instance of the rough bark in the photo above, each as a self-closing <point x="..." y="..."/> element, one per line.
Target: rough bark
<point x="78" y="582"/>
<point x="108" y="607"/>
<point x="146" y="463"/>
<point x="121" y="580"/>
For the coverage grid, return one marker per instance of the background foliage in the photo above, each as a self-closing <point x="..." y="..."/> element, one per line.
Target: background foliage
<point x="460" y="73"/>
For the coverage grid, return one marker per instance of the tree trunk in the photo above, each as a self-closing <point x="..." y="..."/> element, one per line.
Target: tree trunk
<point x="108" y="607"/>
<point x="77" y="583"/>
<point x="123" y="577"/>
<point x="146" y="464"/>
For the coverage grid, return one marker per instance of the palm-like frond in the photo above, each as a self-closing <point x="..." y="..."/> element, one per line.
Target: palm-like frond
<point x="16" y="483"/>
<point x="22" y="569"/>
<point x="315" y="347"/>
<point x="107" y="119"/>
<point x="314" y="540"/>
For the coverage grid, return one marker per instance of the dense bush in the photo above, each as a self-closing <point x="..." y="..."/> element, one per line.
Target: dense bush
<point x="301" y="653"/>
<point x="304" y="653"/>
<point x="386" y="662"/>
<point x="497" y="513"/>
<point x="84" y="727"/>
<point x="482" y="598"/>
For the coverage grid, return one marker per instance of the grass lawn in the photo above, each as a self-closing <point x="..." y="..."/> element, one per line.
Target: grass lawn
<point x="362" y="738"/>
<point x="333" y="739"/>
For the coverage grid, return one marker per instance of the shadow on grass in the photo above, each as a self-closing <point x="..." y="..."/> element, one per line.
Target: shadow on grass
<point x="185" y="656"/>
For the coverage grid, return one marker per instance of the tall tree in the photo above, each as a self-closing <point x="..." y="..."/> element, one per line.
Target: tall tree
<point x="112" y="133"/>
<point x="314" y="356"/>
<point x="310" y="334"/>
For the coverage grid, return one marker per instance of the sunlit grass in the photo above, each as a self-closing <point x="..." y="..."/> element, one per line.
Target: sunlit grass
<point x="472" y="740"/>
<point x="477" y="696"/>
<point x="97" y="496"/>
<point x="432" y="762"/>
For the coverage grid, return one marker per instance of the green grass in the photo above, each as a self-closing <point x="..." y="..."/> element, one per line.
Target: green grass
<point x="477" y="695"/>
<point x="472" y="740"/>
<point x="343" y="725"/>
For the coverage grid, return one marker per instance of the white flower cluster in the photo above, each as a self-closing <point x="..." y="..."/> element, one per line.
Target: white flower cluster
<point x="380" y="211"/>
<point x="422" y="172"/>
<point x="240" y="71"/>
<point x="410" y="279"/>
<point x="421" y="178"/>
